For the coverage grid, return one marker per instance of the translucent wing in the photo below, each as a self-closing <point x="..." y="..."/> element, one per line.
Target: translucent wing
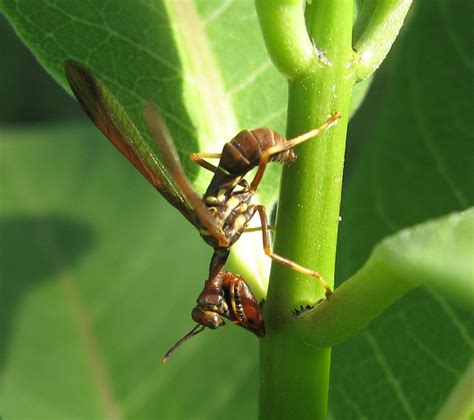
<point x="168" y="153"/>
<point x="106" y="113"/>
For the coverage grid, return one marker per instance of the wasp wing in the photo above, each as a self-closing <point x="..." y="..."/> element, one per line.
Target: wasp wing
<point x="112" y="120"/>
<point x="168" y="153"/>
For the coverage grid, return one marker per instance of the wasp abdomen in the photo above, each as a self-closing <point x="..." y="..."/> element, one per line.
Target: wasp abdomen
<point x="244" y="151"/>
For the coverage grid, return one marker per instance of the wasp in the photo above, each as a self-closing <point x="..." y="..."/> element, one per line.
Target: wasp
<point x="222" y="214"/>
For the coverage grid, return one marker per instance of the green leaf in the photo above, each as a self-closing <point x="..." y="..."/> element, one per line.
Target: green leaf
<point x="412" y="361"/>
<point x="172" y="53"/>
<point x="99" y="276"/>
<point x="177" y="55"/>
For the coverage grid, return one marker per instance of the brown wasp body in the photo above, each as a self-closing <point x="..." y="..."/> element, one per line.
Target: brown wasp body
<point x="221" y="215"/>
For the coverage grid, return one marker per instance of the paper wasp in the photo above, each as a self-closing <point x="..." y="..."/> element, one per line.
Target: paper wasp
<point x="224" y="211"/>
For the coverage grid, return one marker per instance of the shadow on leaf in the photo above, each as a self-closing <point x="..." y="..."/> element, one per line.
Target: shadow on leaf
<point x="34" y="250"/>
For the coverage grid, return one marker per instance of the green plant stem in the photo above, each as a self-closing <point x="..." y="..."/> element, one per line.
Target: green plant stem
<point x="294" y="371"/>
<point x="397" y="265"/>
<point x="295" y="377"/>
<point x="284" y="30"/>
<point x="358" y="301"/>
<point x="375" y="30"/>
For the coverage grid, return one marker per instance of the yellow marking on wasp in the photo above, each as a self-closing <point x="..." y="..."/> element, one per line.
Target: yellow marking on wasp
<point x="221" y="195"/>
<point x="243" y="207"/>
<point x="232" y="299"/>
<point x="235" y="182"/>
<point x="211" y="199"/>
<point x="240" y="221"/>
<point x="233" y="202"/>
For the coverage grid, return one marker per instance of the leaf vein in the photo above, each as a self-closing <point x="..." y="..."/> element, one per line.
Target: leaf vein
<point x="430" y="146"/>
<point x="392" y="380"/>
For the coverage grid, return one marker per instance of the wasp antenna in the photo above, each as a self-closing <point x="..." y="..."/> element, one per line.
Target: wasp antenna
<point x="196" y="330"/>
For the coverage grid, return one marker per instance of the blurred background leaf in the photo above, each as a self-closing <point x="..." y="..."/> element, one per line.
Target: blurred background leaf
<point x="94" y="290"/>
<point x="92" y="299"/>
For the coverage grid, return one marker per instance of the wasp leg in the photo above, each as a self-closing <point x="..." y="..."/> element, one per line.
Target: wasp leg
<point x="268" y="153"/>
<point x="299" y="312"/>
<point x="198" y="158"/>
<point x="291" y="264"/>
<point x="259" y="228"/>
